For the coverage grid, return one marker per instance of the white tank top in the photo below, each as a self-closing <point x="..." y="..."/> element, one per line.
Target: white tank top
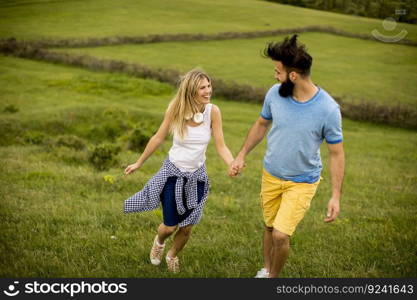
<point x="189" y="154"/>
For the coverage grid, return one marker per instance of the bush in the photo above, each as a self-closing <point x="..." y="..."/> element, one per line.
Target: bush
<point x="9" y="131"/>
<point x="34" y="137"/>
<point x="394" y="115"/>
<point x="102" y="156"/>
<point x="108" y="125"/>
<point x="107" y="130"/>
<point x="52" y="126"/>
<point x="70" y="141"/>
<point x="11" y="109"/>
<point x="113" y="129"/>
<point x="69" y="156"/>
<point x="138" y="140"/>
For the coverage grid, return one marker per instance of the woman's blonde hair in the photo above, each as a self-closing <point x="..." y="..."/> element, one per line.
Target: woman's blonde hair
<point x="185" y="104"/>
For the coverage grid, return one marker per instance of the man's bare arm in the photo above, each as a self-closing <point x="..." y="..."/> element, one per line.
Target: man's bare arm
<point x="254" y="137"/>
<point x="337" y="169"/>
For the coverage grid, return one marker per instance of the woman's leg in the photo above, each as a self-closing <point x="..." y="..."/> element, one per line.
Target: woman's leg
<point x="164" y="232"/>
<point x="169" y="211"/>
<point x="180" y="239"/>
<point x="158" y="245"/>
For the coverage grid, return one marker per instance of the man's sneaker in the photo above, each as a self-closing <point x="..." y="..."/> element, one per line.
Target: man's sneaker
<point x="156" y="252"/>
<point x="262" y="273"/>
<point x="173" y="264"/>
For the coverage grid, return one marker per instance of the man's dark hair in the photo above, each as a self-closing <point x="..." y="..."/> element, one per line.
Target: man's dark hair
<point x="292" y="55"/>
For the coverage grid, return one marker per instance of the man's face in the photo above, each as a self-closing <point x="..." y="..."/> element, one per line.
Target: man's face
<point x="287" y="86"/>
<point x="280" y="72"/>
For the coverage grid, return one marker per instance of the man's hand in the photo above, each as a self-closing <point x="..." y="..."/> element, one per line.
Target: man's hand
<point x="236" y="167"/>
<point x="333" y="209"/>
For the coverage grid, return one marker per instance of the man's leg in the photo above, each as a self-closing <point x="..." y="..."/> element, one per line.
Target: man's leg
<point x="280" y="250"/>
<point x="267" y="248"/>
<point x="271" y="196"/>
<point x="295" y="202"/>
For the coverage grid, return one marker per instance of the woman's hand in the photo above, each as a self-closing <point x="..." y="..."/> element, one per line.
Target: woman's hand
<point x="236" y="167"/>
<point x="131" y="168"/>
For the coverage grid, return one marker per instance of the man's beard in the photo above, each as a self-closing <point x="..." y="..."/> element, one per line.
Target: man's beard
<point x="286" y="88"/>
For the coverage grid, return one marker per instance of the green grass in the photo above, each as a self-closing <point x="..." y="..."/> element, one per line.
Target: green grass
<point x="58" y="215"/>
<point x="354" y="69"/>
<point x="64" y="19"/>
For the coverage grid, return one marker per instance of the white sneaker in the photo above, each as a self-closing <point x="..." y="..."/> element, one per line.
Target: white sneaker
<point x="173" y="264"/>
<point x="156" y="252"/>
<point x="262" y="273"/>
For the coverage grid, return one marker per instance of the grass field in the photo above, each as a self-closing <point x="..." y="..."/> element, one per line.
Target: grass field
<point x="353" y="69"/>
<point x="60" y="218"/>
<point x="64" y="19"/>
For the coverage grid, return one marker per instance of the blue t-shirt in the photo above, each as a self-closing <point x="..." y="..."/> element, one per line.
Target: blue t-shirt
<point x="298" y="129"/>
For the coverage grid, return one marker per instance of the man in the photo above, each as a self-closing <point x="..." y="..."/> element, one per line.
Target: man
<point x="302" y="116"/>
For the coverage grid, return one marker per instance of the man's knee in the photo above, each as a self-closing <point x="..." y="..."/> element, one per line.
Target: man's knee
<point x="279" y="239"/>
<point x="269" y="229"/>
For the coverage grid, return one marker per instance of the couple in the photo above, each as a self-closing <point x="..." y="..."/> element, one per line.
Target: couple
<point x="302" y="115"/>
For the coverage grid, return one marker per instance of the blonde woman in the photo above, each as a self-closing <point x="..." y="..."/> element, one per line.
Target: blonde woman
<point x="181" y="185"/>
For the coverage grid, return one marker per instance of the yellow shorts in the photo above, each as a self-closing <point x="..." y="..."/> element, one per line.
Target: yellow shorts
<point x="284" y="203"/>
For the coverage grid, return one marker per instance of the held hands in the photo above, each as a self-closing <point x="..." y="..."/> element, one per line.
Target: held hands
<point x="131" y="168"/>
<point x="236" y="167"/>
<point x="333" y="209"/>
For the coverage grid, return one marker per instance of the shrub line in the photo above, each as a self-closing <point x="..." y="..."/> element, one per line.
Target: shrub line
<point x="183" y="37"/>
<point x="398" y="115"/>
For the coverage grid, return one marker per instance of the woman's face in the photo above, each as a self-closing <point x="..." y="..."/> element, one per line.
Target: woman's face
<point x="204" y="91"/>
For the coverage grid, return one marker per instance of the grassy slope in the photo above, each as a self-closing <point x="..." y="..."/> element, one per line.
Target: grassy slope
<point x="61" y="19"/>
<point x="351" y="68"/>
<point x="58" y="215"/>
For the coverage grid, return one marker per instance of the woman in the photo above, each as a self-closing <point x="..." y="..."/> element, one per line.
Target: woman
<point x="181" y="185"/>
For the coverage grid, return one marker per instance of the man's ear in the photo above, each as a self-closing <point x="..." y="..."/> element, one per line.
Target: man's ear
<point x="293" y="76"/>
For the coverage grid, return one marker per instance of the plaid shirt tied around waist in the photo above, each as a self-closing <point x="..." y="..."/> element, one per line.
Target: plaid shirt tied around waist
<point x="149" y="197"/>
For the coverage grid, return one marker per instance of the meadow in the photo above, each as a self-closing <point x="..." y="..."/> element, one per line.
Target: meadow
<point x="80" y="19"/>
<point x="66" y="135"/>
<point x="353" y="69"/>
<point x="61" y="217"/>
